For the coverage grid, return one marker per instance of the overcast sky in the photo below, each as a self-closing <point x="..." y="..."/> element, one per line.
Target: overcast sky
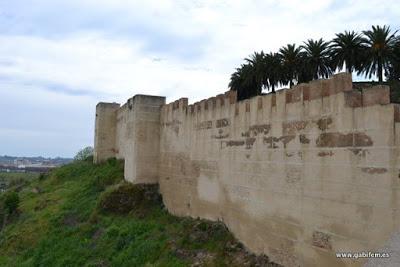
<point x="59" y="58"/>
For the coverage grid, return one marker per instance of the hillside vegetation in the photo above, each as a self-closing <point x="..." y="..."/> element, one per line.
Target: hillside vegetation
<point x="86" y="215"/>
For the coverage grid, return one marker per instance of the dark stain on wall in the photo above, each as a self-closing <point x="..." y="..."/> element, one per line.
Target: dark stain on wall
<point x="359" y="152"/>
<point x="172" y="123"/>
<point x="372" y="170"/>
<point x="293" y="127"/>
<point x="204" y="125"/>
<point x="337" y="139"/>
<point x="334" y="140"/>
<point x="293" y="175"/>
<point x="324" y="123"/>
<point x="250" y="142"/>
<point x="222" y="123"/>
<point x="300" y="154"/>
<point x="189" y="169"/>
<point x="235" y="143"/>
<point x="321" y="240"/>
<point x="271" y="141"/>
<point x="247" y="106"/>
<point x="361" y="139"/>
<point x="246" y="134"/>
<point x="303" y="139"/>
<point x="286" y="139"/>
<point x="220" y="136"/>
<point x="262" y="128"/>
<point x="326" y="154"/>
<point x="257" y="129"/>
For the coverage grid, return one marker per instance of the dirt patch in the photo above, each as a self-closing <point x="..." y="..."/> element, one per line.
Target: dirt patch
<point x="241" y="257"/>
<point x="232" y="252"/>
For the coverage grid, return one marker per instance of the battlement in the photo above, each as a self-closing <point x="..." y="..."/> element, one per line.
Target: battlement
<point x="301" y="93"/>
<point x="297" y="175"/>
<point x="218" y="101"/>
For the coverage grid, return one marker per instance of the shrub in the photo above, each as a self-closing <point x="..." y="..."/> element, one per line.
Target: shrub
<point x="11" y="202"/>
<point x="89" y="158"/>
<point x="125" y="198"/>
<point x="42" y="176"/>
<point x="84" y="153"/>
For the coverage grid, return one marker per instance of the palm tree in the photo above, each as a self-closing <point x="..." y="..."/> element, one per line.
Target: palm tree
<point x="348" y="48"/>
<point x="257" y="61"/>
<point x="243" y="81"/>
<point x="274" y="75"/>
<point x="291" y="57"/>
<point x="318" y="58"/>
<point x="236" y="81"/>
<point x="394" y="63"/>
<point x="380" y="43"/>
<point x="249" y="80"/>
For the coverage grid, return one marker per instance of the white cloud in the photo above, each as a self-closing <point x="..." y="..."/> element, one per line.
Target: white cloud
<point x="79" y="52"/>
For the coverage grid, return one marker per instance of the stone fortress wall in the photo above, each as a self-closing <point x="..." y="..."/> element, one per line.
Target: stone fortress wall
<point x="298" y="175"/>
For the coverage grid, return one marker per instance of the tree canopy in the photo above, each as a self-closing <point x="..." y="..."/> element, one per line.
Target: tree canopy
<point x="374" y="52"/>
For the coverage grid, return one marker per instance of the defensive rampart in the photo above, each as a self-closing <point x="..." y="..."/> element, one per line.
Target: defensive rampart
<point x="299" y="175"/>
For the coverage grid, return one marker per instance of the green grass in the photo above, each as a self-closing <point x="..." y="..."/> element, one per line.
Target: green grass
<point x="65" y="219"/>
<point x="15" y="178"/>
<point x="15" y="181"/>
<point x="18" y="175"/>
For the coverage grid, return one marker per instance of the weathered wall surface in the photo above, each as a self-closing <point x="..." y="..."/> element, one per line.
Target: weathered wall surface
<point x="134" y="137"/>
<point x="104" y="135"/>
<point x="298" y="175"/>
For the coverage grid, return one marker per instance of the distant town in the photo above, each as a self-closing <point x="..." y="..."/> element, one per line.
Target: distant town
<point x="30" y="164"/>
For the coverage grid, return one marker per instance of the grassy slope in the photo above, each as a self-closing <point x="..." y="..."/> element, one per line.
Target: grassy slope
<point x="60" y="224"/>
<point x="15" y="178"/>
<point x="18" y="175"/>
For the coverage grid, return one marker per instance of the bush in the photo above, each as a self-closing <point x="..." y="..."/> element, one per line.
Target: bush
<point x="11" y="202"/>
<point x="84" y="153"/>
<point x="125" y="198"/>
<point x="42" y="176"/>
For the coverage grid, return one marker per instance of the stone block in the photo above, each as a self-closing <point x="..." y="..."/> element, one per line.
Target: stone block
<point x="376" y="95"/>
<point x="353" y="99"/>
